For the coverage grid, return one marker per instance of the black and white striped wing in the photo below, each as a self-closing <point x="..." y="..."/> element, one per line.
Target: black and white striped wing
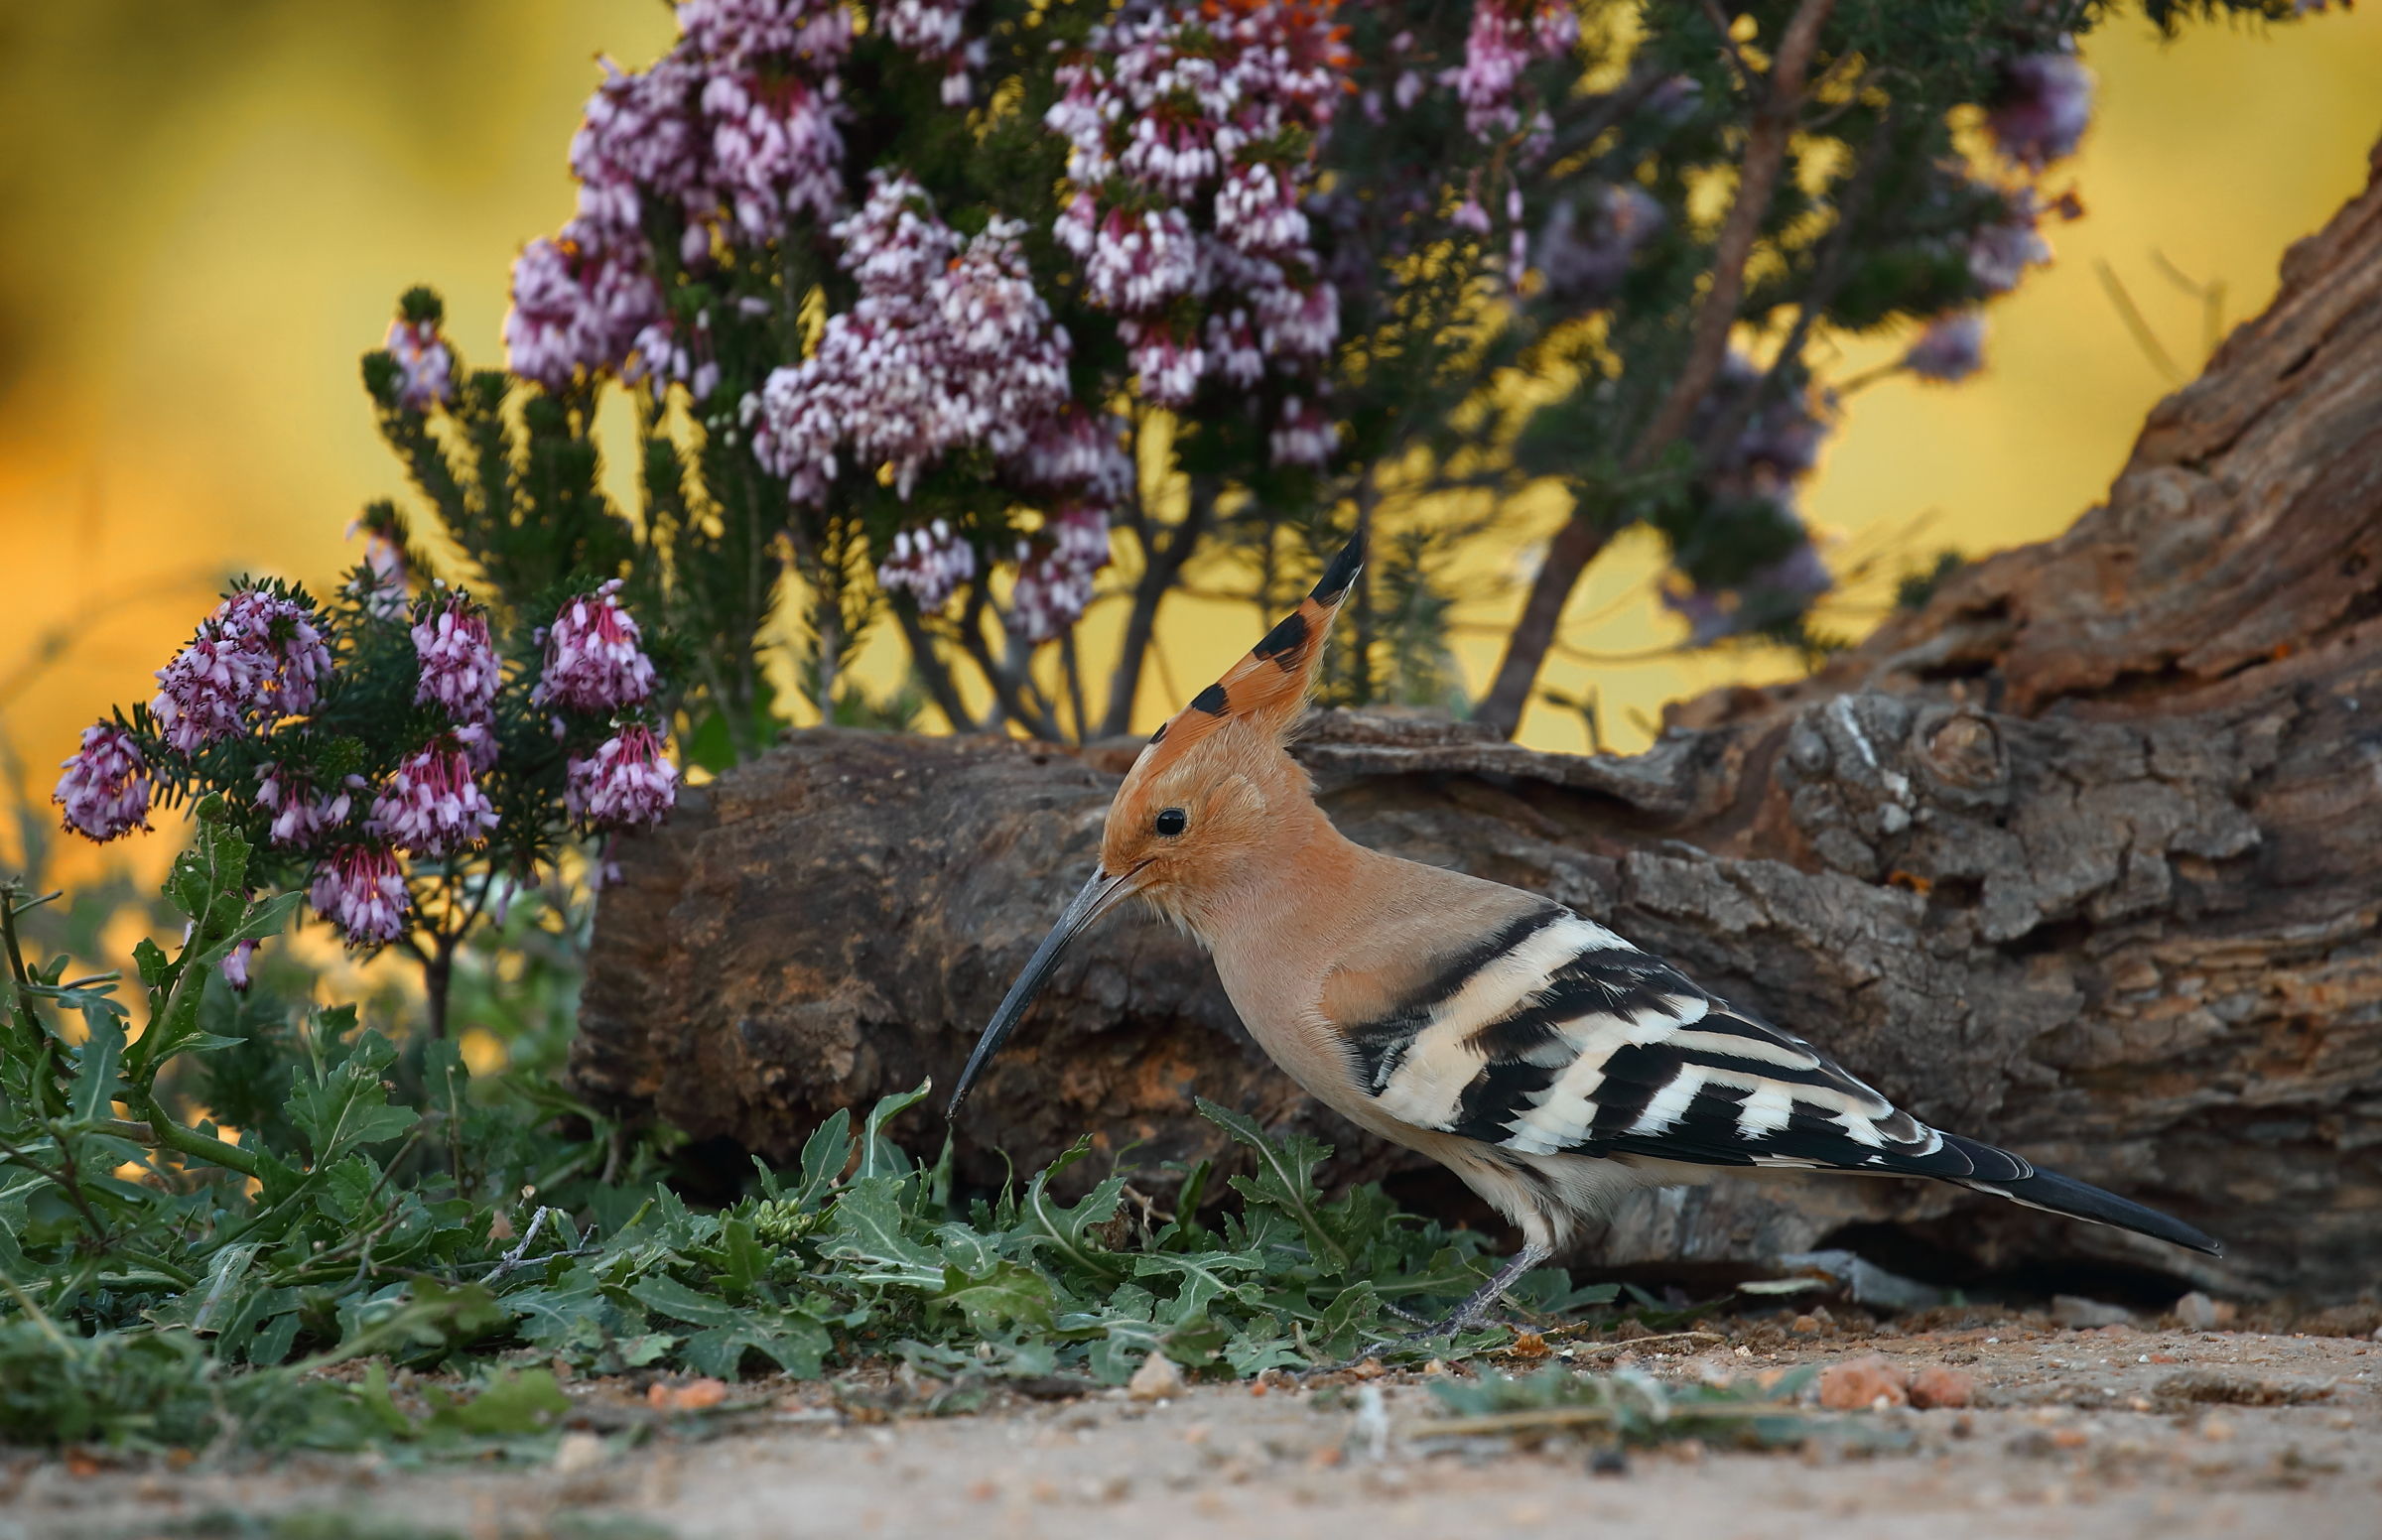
<point x="1556" y="1035"/>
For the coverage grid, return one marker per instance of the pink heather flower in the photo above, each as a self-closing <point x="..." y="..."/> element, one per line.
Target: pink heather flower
<point x="1078" y="535"/>
<point x="431" y="805"/>
<point x="668" y="353"/>
<point x="360" y="890"/>
<point x="258" y="658"/>
<point x="300" y="816"/>
<point x="1049" y="595"/>
<point x="1587" y="244"/>
<point x="235" y="964"/>
<point x="930" y="564"/>
<point x="2000" y="253"/>
<point x="1305" y="435"/>
<point x="1054" y="574"/>
<point x="1506" y="38"/>
<point x="2042" y="108"/>
<point x="1183" y="204"/>
<point x="949" y="346"/>
<point x="382" y="585"/>
<point x="106" y="790"/>
<point x="1232" y="349"/>
<point x="776" y="153"/>
<point x="580" y="302"/>
<point x="936" y="30"/>
<point x="425" y="368"/>
<point x="1169" y="369"/>
<point x="1952" y="348"/>
<point x="458" y="664"/>
<point x="628" y="784"/>
<point x="594" y="660"/>
<point x="1076" y="448"/>
<point x="740" y="34"/>
<point x="1140" y="262"/>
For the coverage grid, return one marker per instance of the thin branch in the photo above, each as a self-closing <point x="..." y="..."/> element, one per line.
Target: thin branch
<point x="941" y="688"/>
<point x="2144" y="338"/>
<point x="1586" y="532"/>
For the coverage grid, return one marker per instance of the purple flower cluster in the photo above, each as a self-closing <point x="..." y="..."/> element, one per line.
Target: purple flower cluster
<point x="258" y="658"/>
<point x="360" y="890"/>
<point x="1775" y="448"/>
<point x="950" y="344"/>
<point x="626" y="784"/>
<point x="106" y="790"/>
<point x="2042" y="108"/>
<point x="936" y="30"/>
<point x="301" y="816"/>
<point x="1054" y="571"/>
<point x="430" y="805"/>
<point x="732" y="132"/>
<point x="425" y="366"/>
<point x="1506" y="38"/>
<point x="1952" y="348"/>
<point x="929" y="564"/>
<point x="457" y="658"/>
<point x="594" y="660"/>
<point x="1189" y="215"/>
<point x="2000" y="253"/>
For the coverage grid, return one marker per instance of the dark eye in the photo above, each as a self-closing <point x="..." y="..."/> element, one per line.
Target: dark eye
<point x="1172" y="822"/>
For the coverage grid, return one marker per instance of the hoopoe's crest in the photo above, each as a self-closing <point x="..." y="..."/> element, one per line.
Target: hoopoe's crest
<point x="1532" y="1050"/>
<point x="1209" y="788"/>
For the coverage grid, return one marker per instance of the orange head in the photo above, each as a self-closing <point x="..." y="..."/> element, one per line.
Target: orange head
<point x="1213" y="793"/>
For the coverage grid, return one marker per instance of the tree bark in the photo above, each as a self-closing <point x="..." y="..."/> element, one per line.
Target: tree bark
<point x="2084" y="858"/>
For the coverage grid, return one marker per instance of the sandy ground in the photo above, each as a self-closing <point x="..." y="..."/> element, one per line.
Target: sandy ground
<point x="2082" y="1433"/>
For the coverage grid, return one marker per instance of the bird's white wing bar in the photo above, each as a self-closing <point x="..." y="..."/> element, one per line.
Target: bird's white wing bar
<point x="1554" y="1035"/>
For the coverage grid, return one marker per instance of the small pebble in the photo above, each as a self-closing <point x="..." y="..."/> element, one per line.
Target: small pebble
<point x="1156" y="1379"/>
<point x="1872" y="1382"/>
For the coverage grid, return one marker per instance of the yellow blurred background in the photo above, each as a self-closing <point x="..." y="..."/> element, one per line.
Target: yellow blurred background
<point x="209" y="209"/>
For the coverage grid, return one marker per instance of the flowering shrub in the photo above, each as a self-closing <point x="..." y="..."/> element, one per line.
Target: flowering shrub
<point x="983" y="313"/>
<point x="409" y="759"/>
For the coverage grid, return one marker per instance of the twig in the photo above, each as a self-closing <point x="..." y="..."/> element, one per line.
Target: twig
<point x="2144" y="338"/>
<point x="519" y="1255"/>
<point x="1633" y="1342"/>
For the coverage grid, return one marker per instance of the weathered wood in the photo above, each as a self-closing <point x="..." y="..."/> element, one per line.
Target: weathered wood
<point x="2086" y="857"/>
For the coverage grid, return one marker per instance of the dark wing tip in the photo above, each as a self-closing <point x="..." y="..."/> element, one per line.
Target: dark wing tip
<point x="1343" y="571"/>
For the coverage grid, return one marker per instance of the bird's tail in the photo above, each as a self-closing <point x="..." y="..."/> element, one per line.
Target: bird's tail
<point x="2056" y="1193"/>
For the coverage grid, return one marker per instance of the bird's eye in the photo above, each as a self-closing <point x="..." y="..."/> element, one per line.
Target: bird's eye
<point x="1172" y="822"/>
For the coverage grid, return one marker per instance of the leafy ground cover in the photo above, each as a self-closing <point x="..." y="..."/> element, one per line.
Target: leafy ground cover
<point x="170" y="1282"/>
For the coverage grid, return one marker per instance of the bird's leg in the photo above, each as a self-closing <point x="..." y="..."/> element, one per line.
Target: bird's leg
<point x="1474" y="1311"/>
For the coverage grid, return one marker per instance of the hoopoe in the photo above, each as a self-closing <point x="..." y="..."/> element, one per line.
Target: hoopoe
<point x="1549" y="1062"/>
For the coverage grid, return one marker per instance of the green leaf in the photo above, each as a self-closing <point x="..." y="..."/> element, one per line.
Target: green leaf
<point x="1008" y="1291"/>
<point x="1206" y="1277"/>
<point x="881" y="1156"/>
<point x="742" y="1261"/>
<point x="348" y="1107"/>
<point x="825" y="1154"/>
<point x="867" y="1226"/>
<point x="1285" y="1180"/>
<point x="795" y="1345"/>
<point x="155" y="968"/>
<point x="214" y="1297"/>
<point x="1065" y="1230"/>
<point x="97" y="1082"/>
<point x="511" y="1402"/>
<point x="674" y="1299"/>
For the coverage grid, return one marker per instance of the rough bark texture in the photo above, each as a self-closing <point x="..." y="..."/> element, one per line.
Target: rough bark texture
<point x="2085" y="857"/>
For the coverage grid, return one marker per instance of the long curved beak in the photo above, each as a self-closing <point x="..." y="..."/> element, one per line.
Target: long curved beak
<point x="1098" y="896"/>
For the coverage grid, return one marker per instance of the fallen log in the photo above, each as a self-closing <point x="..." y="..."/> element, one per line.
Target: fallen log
<point x="2084" y="857"/>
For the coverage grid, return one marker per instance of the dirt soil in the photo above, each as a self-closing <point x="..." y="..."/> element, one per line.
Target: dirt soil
<point x="2076" y="1433"/>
